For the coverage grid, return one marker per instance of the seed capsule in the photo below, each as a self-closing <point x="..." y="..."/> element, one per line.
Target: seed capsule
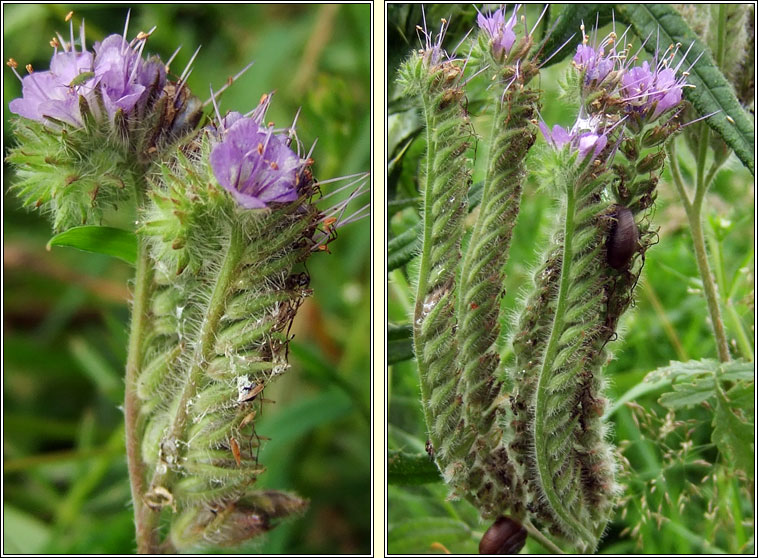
<point x="506" y="536"/>
<point x="623" y="238"/>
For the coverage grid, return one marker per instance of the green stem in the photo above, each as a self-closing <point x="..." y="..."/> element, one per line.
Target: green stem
<point x="205" y="346"/>
<point x="742" y="339"/>
<point x="540" y="538"/>
<point x="145" y="519"/>
<point x="541" y="409"/>
<point x="694" y="216"/>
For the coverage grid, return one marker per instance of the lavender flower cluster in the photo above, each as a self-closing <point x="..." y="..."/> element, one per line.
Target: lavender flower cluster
<point x="253" y="162"/>
<point x="115" y="72"/>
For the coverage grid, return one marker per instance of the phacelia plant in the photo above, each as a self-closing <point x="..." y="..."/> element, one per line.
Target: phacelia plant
<point x="227" y="215"/>
<point x="517" y="420"/>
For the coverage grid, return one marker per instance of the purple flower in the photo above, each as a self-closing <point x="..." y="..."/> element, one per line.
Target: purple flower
<point x="123" y="77"/>
<point x="595" y="64"/>
<point x="500" y="32"/>
<point x="433" y="53"/>
<point x="255" y="165"/>
<point x="599" y="59"/>
<point x="582" y="141"/>
<point x="54" y="93"/>
<point x="116" y="70"/>
<point x="651" y="91"/>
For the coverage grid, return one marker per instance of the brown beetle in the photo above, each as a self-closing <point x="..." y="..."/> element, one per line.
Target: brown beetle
<point x="623" y="238"/>
<point x="505" y="536"/>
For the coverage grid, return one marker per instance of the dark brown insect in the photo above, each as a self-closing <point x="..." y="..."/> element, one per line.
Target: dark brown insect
<point x="623" y="238"/>
<point x="506" y="536"/>
<point x="430" y="449"/>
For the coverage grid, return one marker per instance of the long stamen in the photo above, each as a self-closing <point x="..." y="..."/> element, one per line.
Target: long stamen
<point x="362" y="213"/>
<point x="536" y="23"/>
<point x="181" y="86"/>
<point x="228" y="84"/>
<point x="215" y="106"/>
<point x="12" y="64"/>
<point x="70" y="20"/>
<point x="171" y="58"/>
<point x="126" y="29"/>
<point x="358" y="176"/>
<point x="62" y="41"/>
<point x="187" y="68"/>
<point x="82" y="38"/>
<point x="545" y="61"/>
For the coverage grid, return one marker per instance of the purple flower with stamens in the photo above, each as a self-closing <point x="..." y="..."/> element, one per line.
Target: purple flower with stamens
<point x="116" y="70"/>
<point x="593" y="61"/>
<point x="255" y="165"/>
<point x="123" y="77"/>
<point x="651" y="91"/>
<point x="500" y="32"/>
<point x="582" y="141"/>
<point x="54" y="93"/>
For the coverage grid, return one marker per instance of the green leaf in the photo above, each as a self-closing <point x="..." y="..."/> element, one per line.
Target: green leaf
<point x="675" y="369"/>
<point x="403" y="248"/>
<point x="417" y="535"/>
<point x="399" y="343"/>
<point x="737" y="370"/>
<point x="711" y="92"/>
<point x="23" y="533"/>
<point x="119" y="243"/>
<point x="733" y="437"/>
<point x="568" y="25"/>
<point x="407" y="468"/>
<point x="688" y="394"/>
<point x="96" y="367"/>
<point x="635" y="393"/>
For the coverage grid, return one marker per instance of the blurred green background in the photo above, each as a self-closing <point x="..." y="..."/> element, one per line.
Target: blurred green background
<point x="680" y="498"/>
<point x="66" y="314"/>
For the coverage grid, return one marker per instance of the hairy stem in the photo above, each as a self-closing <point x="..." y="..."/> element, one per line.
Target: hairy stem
<point x="203" y="350"/>
<point x="540" y="538"/>
<point x="144" y="518"/>
<point x="542" y="407"/>
<point x="694" y="216"/>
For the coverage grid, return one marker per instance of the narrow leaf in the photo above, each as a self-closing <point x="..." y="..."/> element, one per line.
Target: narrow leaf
<point x="402" y="248"/>
<point x="407" y="468"/>
<point x="110" y="241"/>
<point x="399" y="343"/>
<point x="711" y="92"/>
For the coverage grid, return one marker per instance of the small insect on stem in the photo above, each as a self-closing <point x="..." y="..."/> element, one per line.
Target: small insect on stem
<point x="623" y="238"/>
<point x="505" y="536"/>
<point x="430" y="450"/>
<point x="247" y="390"/>
<point x="235" y="447"/>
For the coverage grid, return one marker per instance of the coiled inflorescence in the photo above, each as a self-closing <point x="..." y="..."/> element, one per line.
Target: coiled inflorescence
<point x="227" y="288"/>
<point x="226" y="219"/>
<point x="435" y="80"/>
<point x="505" y="56"/>
<point x="557" y="436"/>
<point x="534" y="447"/>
